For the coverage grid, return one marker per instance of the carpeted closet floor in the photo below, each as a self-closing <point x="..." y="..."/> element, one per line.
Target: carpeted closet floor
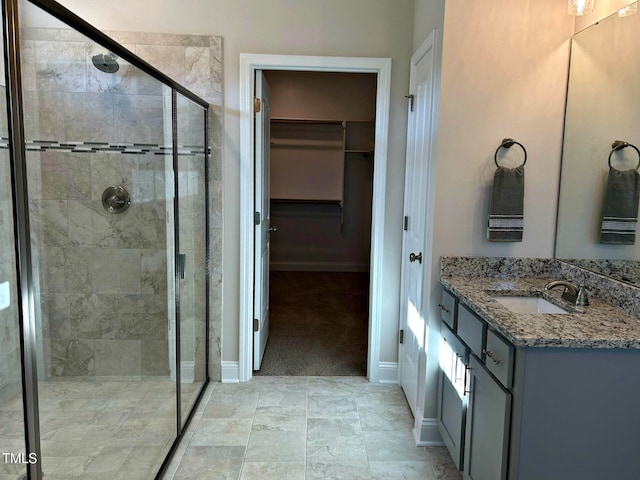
<point x="318" y="324"/>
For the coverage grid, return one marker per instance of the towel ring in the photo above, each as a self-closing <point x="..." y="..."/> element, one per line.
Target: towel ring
<point x="619" y="145"/>
<point x="508" y="143"/>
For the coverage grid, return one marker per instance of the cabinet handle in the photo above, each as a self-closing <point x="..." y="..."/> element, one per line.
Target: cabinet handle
<point x="466" y="380"/>
<point x="442" y="307"/>
<point x="490" y="355"/>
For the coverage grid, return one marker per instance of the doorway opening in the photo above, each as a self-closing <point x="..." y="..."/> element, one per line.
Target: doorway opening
<point x="322" y="137"/>
<point x="250" y="179"/>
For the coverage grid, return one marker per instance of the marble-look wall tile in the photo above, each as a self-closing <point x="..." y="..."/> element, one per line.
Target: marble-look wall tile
<point x="155" y="357"/>
<point x="10" y="378"/>
<point x="153" y="265"/>
<point x="61" y="66"/>
<point x="56" y="321"/>
<point x="118" y="357"/>
<point x="52" y="267"/>
<point x="28" y="64"/>
<point x="99" y="270"/>
<point x="89" y="117"/>
<point x="72" y="357"/>
<point x="169" y="59"/>
<point x="45" y="113"/>
<point x="139" y="118"/>
<point x="198" y="68"/>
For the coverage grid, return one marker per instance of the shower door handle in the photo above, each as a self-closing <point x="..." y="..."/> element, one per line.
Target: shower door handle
<point x="182" y="265"/>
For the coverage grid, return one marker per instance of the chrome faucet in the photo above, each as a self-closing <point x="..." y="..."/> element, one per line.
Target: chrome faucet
<point x="571" y="293"/>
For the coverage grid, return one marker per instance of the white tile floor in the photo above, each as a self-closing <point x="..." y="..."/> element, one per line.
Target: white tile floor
<point x="290" y="428"/>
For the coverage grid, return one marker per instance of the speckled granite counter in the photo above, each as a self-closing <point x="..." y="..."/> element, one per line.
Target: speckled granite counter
<point x="599" y="325"/>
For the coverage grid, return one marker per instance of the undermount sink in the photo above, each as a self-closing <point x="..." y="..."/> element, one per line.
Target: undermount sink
<point x="529" y="305"/>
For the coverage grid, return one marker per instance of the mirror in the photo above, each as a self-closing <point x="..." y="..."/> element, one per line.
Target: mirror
<point x="603" y="106"/>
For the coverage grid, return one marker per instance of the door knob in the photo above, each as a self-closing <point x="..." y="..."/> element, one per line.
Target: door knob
<point x="273" y="229"/>
<point x="413" y="257"/>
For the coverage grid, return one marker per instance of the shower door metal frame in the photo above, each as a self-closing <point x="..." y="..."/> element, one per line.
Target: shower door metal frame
<point x="22" y="232"/>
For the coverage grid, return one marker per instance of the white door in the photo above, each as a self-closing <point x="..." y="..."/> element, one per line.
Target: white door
<point x="263" y="220"/>
<point x="419" y="133"/>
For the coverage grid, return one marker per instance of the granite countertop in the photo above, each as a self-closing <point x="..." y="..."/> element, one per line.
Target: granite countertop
<point x="598" y="325"/>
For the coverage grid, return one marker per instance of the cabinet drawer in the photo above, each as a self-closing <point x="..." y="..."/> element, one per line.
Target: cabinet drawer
<point x="499" y="358"/>
<point x="459" y="348"/>
<point x="471" y="330"/>
<point x="448" y="309"/>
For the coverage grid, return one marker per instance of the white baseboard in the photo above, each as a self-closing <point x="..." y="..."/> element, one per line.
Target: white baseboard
<point x="230" y="372"/>
<point x="388" y="372"/>
<point x="426" y="433"/>
<point x="285" y="266"/>
<point x="187" y="371"/>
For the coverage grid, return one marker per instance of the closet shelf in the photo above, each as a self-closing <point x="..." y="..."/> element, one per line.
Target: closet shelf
<point x="306" y="121"/>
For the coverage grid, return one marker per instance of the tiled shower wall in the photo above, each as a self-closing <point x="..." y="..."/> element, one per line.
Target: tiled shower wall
<point x="103" y="277"/>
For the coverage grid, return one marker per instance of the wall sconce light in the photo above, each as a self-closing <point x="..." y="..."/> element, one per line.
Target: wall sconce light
<point x="628" y="10"/>
<point x="580" y="7"/>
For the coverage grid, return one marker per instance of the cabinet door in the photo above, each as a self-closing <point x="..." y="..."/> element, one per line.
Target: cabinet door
<point x="487" y="429"/>
<point x="451" y="414"/>
<point x="452" y="403"/>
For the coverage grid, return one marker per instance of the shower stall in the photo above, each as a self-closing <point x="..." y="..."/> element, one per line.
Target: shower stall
<point x="104" y="274"/>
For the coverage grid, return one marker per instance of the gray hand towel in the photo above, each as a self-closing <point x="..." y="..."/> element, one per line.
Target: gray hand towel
<point x="620" y="213"/>
<point x="506" y="210"/>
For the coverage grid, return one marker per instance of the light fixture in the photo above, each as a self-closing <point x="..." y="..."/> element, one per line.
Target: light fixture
<point x="628" y="10"/>
<point x="580" y="7"/>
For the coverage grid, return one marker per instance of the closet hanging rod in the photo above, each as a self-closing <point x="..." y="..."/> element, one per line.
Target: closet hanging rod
<point x="306" y="120"/>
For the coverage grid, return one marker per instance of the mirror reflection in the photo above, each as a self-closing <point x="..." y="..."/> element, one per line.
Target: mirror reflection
<point x="600" y="184"/>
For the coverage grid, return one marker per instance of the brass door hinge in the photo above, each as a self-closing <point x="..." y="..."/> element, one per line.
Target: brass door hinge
<point x="401" y="336"/>
<point x="256" y="105"/>
<point x="256" y="325"/>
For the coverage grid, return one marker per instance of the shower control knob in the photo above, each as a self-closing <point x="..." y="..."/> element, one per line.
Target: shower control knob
<point x="413" y="257"/>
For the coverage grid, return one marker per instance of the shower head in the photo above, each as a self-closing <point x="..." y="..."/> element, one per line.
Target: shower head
<point x="106" y="63"/>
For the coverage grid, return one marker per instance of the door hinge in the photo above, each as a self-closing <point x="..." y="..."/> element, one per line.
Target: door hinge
<point x="256" y="325"/>
<point x="406" y="223"/>
<point x="401" y="336"/>
<point x="256" y="218"/>
<point x="256" y="105"/>
<point x="410" y="97"/>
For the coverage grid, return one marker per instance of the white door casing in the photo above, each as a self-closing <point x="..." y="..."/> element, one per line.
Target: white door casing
<point x="416" y="256"/>
<point x="263" y="220"/>
<point x="249" y="64"/>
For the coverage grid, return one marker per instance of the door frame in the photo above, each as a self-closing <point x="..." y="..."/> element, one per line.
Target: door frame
<point x="249" y="64"/>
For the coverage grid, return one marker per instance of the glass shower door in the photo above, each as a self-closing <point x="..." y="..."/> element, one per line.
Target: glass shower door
<point x="192" y="236"/>
<point x="98" y="153"/>
<point x="12" y="435"/>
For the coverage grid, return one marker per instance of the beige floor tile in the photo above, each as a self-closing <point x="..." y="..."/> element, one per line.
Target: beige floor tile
<point x="272" y="471"/>
<point x="392" y="446"/>
<point x="401" y="471"/>
<point x="269" y="446"/>
<point x="222" y="432"/>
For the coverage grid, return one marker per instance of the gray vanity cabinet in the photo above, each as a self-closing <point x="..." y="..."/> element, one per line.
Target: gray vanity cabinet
<point x="533" y="413"/>
<point x="487" y="426"/>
